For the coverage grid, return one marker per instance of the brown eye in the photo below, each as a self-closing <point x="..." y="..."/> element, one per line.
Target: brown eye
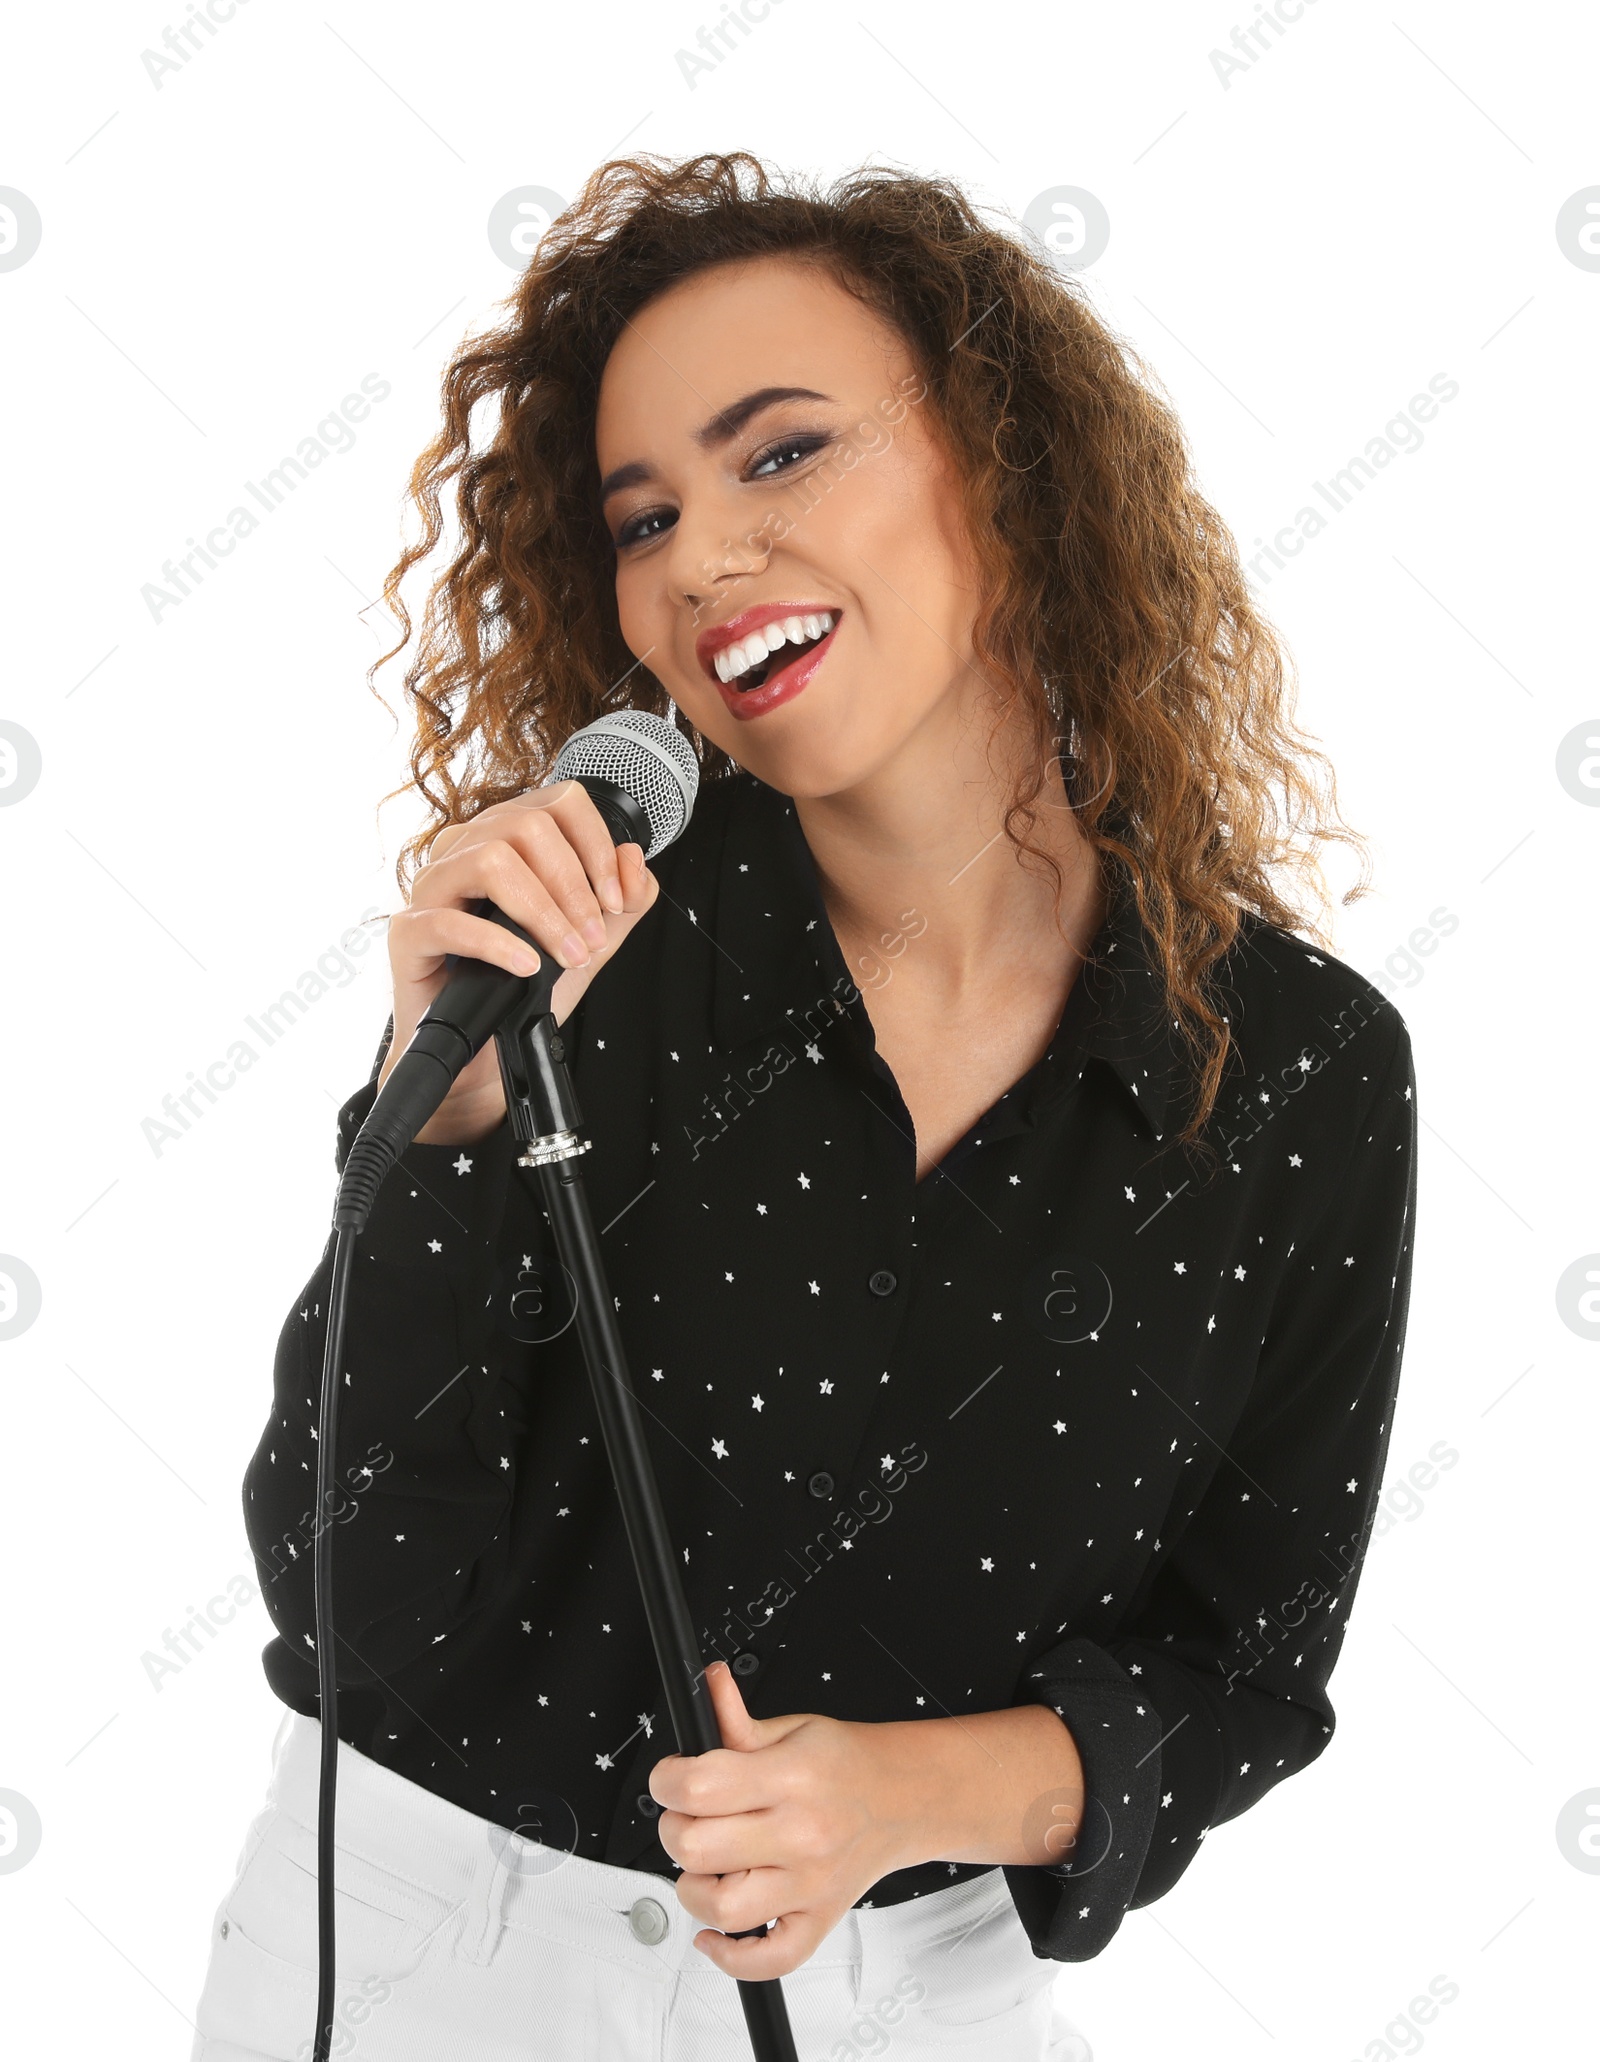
<point x="794" y="448"/>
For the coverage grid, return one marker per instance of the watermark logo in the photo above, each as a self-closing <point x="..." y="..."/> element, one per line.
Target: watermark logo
<point x="20" y="1832"/>
<point x="518" y="220"/>
<point x="20" y="229"/>
<point x="1401" y="969"/>
<point x="21" y="763"/>
<point x="1578" y="1297"/>
<point x="335" y="968"/>
<point x="1578" y="1831"/>
<point x="218" y="1611"/>
<point x="1401" y="435"/>
<point x="718" y="42"/>
<point x="1069" y="1298"/>
<point x="20" y="1296"/>
<point x="184" y="42"/>
<point x="1577" y="228"/>
<point x="1403" y="2035"/>
<point x="1071" y="223"/>
<point x="1252" y="41"/>
<point x="1577" y="763"/>
<point x="333" y="436"/>
<point x="1059" y="1832"/>
<point x="544" y="1836"/>
<point x="535" y="1298"/>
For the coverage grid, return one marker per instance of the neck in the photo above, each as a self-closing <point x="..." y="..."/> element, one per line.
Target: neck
<point x="924" y="839"/>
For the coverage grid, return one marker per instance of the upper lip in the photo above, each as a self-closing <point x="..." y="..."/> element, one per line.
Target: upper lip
<point x="719" y="635"/>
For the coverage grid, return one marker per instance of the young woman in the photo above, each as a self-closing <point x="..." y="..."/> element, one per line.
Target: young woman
<point x="1009" y="1214"/>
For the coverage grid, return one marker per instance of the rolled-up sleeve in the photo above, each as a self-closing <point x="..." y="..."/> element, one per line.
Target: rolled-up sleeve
<point x="1216" y="1687"/>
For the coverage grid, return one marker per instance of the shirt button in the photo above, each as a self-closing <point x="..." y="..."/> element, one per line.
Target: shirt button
<point x="647" y="1804"/>
<point x="648" y="1922"/>
<point x="882" y="1283"/>
<point x="746" y="1664"/>
<point x="821" y="1483"/>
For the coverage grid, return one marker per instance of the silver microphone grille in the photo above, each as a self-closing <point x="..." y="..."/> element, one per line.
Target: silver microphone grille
<point x="645" y="756"/>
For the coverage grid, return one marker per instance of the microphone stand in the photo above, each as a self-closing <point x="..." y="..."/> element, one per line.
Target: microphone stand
<point x="543" y="1113"/>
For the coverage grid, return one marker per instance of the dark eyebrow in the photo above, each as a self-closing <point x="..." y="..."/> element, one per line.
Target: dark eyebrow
<point x="722" y="427"/>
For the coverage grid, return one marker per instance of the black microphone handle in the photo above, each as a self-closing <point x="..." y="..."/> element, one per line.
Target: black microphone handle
<point x="474" y="1002"/>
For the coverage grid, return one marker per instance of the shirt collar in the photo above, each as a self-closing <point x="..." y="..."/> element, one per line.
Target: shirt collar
<point x="778" y="963"/>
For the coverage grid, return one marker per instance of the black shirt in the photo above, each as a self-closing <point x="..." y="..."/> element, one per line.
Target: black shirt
<point x="1075" y="1419"/>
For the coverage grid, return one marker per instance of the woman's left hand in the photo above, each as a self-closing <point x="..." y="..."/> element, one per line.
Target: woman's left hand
<point x="793" y="1819"/>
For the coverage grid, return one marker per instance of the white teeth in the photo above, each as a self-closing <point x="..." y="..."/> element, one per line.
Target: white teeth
<point x="754" y="650"/>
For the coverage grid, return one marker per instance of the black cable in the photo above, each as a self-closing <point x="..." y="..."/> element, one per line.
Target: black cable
<point x="344" y="1247"/>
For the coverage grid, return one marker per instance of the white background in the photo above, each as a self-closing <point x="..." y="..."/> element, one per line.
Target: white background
<point x="1295" y="252"/>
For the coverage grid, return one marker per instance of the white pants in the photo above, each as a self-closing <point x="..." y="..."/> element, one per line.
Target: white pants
<point x="459" y="1942"/>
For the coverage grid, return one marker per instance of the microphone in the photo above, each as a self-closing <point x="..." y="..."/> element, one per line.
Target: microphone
<point x="643" y="777"/>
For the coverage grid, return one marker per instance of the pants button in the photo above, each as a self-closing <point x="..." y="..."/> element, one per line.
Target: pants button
<point x="648" y="1922"/>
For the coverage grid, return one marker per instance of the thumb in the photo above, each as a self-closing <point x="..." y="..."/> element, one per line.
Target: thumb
<point x="738" y="1729"/>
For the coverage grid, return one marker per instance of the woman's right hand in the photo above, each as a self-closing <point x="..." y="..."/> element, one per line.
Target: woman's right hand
<point x="545" y="859"/>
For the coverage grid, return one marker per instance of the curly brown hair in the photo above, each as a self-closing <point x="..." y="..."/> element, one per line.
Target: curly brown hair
<point x="1113" y="603"/>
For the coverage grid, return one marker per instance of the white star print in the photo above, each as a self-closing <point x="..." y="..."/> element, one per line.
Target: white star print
<point x="434" y="1246"/>
<point x="462" y="1165"/>
<point x="805" y="1181"/>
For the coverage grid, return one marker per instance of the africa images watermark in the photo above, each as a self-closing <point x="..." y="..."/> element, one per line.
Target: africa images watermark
<point x="1252" y="42"/>
<point x="332" y="436"/>
<point x="720" y="41"/>
<point x="872" y="1503"/>
<point x="341" y="1506"/>
<point x="1401" y="433"/>
<point x="185" y="41"/>
<point x="722" y="1105"/>
<point x="869" y="438"/>
<point x="219" y="1611"/>
<point x="335" y="967"/>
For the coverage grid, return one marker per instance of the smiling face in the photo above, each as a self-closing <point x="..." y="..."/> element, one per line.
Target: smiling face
<point x="792" y="563"/>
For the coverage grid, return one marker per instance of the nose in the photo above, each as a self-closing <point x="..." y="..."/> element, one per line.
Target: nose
<point x="709" y="558"/>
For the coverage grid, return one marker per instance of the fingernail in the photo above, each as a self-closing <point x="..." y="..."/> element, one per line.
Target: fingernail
<point x="573" y="950"/>
<point x="595" y="931"/>
<point x="524" y="962"/>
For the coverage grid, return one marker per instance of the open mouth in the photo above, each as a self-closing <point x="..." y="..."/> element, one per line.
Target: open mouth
<point x="755" y="661"/>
